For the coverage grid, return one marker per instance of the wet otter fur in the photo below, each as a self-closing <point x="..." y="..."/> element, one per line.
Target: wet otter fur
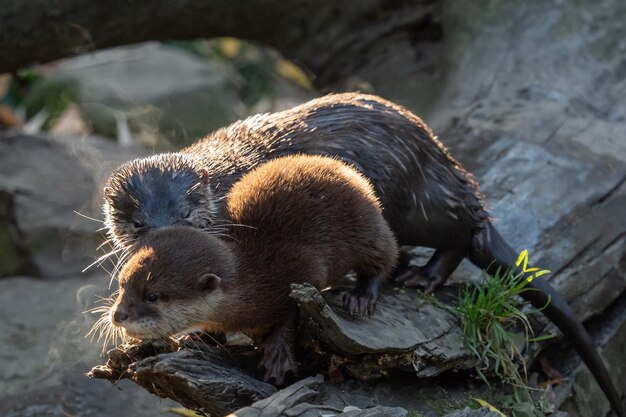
<point x="429" y="198"/>
<point x="295" y="219"/>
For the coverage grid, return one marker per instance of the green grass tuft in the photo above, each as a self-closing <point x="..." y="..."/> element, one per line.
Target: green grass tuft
<point x="492" y="316"/>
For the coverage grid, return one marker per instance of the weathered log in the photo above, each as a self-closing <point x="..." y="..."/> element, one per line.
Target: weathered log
<point x="306" y="398"/>
<point x="326" y="36"/>
<point x="408" y="333"/>
<point x="204" y="379"/>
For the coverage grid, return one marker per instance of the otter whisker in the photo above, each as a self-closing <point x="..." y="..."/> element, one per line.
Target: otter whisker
<point x="230" y="223"/>
<point x="217" y="342"/>
<point x="225" y="235"/>
<point x="108" y="241"/>
<point x="194" y="187"/>
<point x="242" y="225"/>
<point x="205" y="344"/>
<point x="96" y="310"/>
<point x="99" y="327"/>
<point x="118" y="266"/>
<point x="102" y="258"/>
<point x="87" y="217"/>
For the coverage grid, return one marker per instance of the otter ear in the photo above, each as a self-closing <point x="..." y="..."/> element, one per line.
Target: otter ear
<point x="108" y="191"/>
<point x="209" y="282"/>
<point x="204" y="176"/>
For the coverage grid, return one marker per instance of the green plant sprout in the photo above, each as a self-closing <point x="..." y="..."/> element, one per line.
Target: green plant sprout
<point x="491" y="311"/>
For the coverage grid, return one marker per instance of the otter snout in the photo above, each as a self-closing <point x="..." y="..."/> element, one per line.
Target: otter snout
<point x="118" y="316"/>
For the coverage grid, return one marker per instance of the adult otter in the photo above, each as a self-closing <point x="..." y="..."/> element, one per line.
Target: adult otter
<point x="429" y="199"/>
<point x="307" y="219"/>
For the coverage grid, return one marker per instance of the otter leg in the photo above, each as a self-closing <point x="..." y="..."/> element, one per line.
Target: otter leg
<point x="435" y="273"/>
<point x="362" y="298"/>
<point x="278" y="351"/>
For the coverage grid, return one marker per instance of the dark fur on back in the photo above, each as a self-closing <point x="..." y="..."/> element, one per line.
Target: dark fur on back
<point x="429" y="199"/>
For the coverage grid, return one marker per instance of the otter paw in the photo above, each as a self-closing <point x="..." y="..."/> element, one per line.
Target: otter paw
<point x="415" y="277"/>
<point x="277" y="363"/>
<point x="358" y="303"/>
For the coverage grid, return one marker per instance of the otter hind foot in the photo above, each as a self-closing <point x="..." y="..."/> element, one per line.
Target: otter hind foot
<point x="435" y="273"/>
<point x="278" y="353"/>
<point x="277" y="365"/>
<point x="416" y="277"/>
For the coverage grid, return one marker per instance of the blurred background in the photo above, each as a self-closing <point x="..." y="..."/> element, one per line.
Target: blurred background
<point x="527" y="95"/>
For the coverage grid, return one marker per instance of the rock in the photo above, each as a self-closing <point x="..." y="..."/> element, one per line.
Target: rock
<point x="45" y="352"/>
<point x="588" y="398"/>
<point x="42" y="330"/>
<point x="578" y="235"/>
<point x="468" y="412"/>
<point x="15" y="258"/>
<point x="538" y="126"/>
<point x="306" y="398"/>
<point x="167" y="96"/>
<point x="65" y="391"/>
<point x="45" y="181"/>
<point x="535" y="85"/>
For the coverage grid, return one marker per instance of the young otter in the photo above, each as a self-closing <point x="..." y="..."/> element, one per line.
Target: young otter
<point x="295" y="219"/>
<point x="429" y="199"/>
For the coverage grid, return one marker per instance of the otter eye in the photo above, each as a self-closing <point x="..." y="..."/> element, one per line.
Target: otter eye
<point x="151" y="298"/>
<point x="138" y="225"/>
<point x="187" y="215"/>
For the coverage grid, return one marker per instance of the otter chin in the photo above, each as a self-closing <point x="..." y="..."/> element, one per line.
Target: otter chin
<point x="293" y="220"/>
<point x="160" y="291"/>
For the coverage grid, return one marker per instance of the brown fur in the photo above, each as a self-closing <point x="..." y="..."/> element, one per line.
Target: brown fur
<point x="295" y="219"/>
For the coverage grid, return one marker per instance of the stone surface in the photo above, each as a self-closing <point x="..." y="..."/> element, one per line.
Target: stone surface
<point x="468" y="412"/>
<point x="537" y="115"/>
<point x="307" y="398"/>
<point x="43" y="349"/>
<point x="15" y="258"/>
<point x="166" y="95"/>
<point x="588" y="397"/>
<point x="44" y="352"/>
<point x="48" y="181"/>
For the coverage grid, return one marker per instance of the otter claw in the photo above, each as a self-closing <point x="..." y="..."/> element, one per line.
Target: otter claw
<point x="358" y="304"/>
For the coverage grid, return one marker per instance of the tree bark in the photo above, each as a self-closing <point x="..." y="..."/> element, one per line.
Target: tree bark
<point x="325" y="36"/>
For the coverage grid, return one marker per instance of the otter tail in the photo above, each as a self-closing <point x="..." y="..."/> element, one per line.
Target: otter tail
<point x="490" y="252"/>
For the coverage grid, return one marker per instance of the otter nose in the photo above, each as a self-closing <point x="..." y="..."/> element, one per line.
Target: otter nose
<point x="119" y="316"/>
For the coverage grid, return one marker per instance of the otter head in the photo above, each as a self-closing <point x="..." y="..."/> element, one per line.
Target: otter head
<point x="172" y="283"/>
<point x="159" y="191"/>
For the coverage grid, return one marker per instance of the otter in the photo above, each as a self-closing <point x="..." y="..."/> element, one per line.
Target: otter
<point x="294" y="219"/>
<point x="429" y="198"/>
